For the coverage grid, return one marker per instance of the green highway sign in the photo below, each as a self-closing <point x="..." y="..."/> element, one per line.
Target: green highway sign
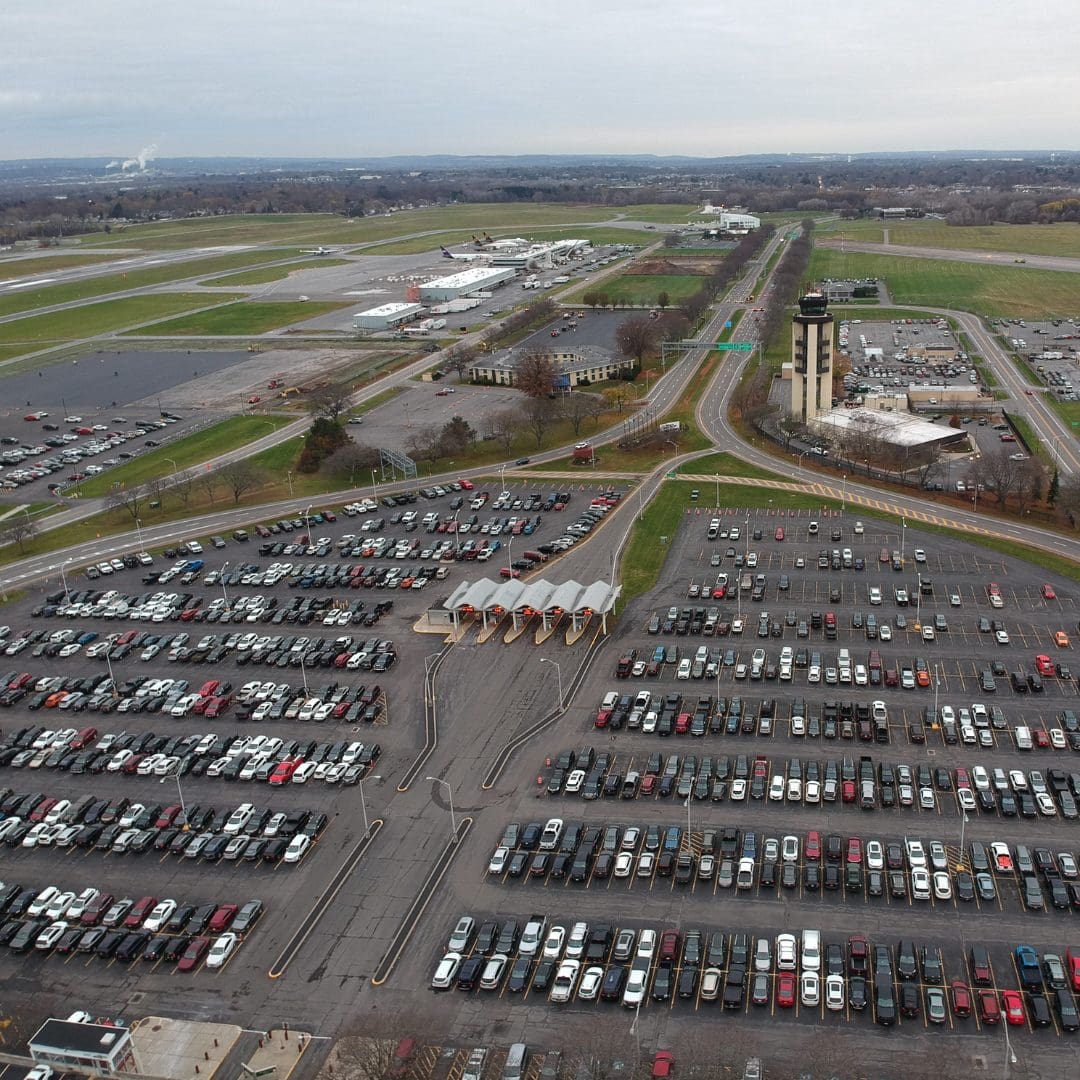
<point x="734" y="346"/>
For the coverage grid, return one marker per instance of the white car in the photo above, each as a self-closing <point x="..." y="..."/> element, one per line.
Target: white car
<point x="920" y="883"/>
<point x="50" y="936"/>
<point x="161" y="914"/>
<point x="81" y="903"/>
<point x="810" y="988"/>
<point x="591" y="980"/>
<point x="624" y="864"/>
<point x="875" y="855"/>
<point x="790" y="849"/>
<point x="578" y="939"/>
<point x="297" y="849"/>
<point x="492" y="972"/>
<point x="42" y="901"/>
<point x="942" y="886"/>
<point x="1001" y="637"/>
<point x="553" y="943"/>
<point x="965" y="799"/>
<point x="1045" y="804"/>
<point x="637" y="984"/>
<point x="446" y="971"/>
<point x="500" y="857"/>
<point x="58" y="906"/>
<point x="786" y="954"/>
<point x="834" y="992"/>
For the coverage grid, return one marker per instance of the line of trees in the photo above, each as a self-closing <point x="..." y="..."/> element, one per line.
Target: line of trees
<point x="787" y="282"/>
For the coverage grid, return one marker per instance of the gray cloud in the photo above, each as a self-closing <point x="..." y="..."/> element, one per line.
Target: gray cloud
<point x="347" y="78"/>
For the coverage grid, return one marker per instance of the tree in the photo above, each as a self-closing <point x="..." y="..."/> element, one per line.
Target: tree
<point x="929" y="459"/>
<point x="1030" y="482"/>
<point x="534" y="375"/>
<point x="459" y="358"/>
<point x="1055" y="487"/>
<point x="672" y="240"/>
<point x="329" y="402"/>
<point x="208" y="481"/>
<point x="130" y="499"/>
<point x="182" y="484"/>
<point x="577" y="407"/>
<point x="424" y="442"/>
<point x="323" y="438"/>
<point x="239" y="477"/>
<point x="619" y="395"/>
<point x="456" y="436"/>
<point x="19" y="530"/>
<point x="351" y="459"/>
<point x="504" y="425"/>
<point x="663" y="299"/>
<point x="998" y="472"/>
<point x="1068" y="498"/>
<point x="538" y="415"/>
<point x="637" y="336"/>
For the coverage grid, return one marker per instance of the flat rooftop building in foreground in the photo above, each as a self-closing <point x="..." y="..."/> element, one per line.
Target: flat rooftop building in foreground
<point x="386" y="316"/>
<point x="465" y="281"/>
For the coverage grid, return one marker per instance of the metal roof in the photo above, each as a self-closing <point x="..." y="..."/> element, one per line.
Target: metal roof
<point x="539" y="595"/>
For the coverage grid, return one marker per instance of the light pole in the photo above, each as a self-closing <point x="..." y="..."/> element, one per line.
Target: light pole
<point x="288" y="476"/>
<point x="175" y="468"/>
<point x="223" y="592"/>
<point x="374" y="493"/>
<point x="1010" y="1057"/>
<point x="63" y="578"/>
<point x="450" y="797"/>
<point x="307" y="522"/>
<point x="509" y="568"/>
<point x="180" y="793"/>
<point x="303" y="675"/>
<point x="138" y="533"/>
<point x="843" y="497"/>
<point x="558" y="675"/>
<point x="112" y="677"/>
<point x="918" y="604"/>
<point x="363" y="802"/>
<point x="688" y="831"/>
<point x="903" y="538"/>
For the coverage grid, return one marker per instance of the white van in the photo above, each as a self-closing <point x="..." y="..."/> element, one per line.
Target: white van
<point x="811" y="950"/>
<point x="1023" y="737"/>
<point x="684" y="669"/>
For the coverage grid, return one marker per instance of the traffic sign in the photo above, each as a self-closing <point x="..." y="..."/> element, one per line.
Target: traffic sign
<point x="734" y="346"/>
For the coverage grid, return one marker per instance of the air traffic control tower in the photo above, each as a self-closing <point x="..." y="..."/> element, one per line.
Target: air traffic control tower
<point x="811" y="358"/>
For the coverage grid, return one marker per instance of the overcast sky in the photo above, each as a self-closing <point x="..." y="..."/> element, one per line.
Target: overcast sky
<point x="357" y="78"/>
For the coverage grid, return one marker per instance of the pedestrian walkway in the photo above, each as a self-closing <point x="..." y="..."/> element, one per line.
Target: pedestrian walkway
<point x="279" y="1053"/>
<point x="181" y="1049"/>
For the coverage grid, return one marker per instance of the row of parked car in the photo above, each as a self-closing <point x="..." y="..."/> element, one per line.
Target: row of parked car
<point x="175" y="697"/>
<point x="583" y="962"/>
<point x="97" y="923"/>
<point x="259" y="758"/>
<point x="120" y="826"/>
<point x="907" y="869"/>
<point x="868" y="784"/>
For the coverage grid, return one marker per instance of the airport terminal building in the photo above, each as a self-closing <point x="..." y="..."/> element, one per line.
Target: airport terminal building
<point x="465" y="282"/>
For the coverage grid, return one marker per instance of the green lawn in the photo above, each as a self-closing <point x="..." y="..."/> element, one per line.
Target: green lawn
<point x="191" y="450"/>
<point x="253" y="317"/>
<point x="989" y="290"/>
<point x="643" y="289"/>
<point x="90" y="320"/>
<point x="12" y="269"/>
<point x="725" y="464"/>
<point x="334" y="229"/>
<point x="264" y="274"/>
<point x="30" y="299"/>
<point x="1059" y="239"/>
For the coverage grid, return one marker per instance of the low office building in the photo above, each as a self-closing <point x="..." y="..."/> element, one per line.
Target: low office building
<point x="69" y="1046"/>
<point x="464" y="282"/>
<point x="386" y="316"/>
<point x="583" y="365"/>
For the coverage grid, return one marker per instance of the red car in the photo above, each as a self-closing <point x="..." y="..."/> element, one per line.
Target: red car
<point x="167" y="816"/>
<point x="848" y="791"/>
<point x="682" y="723"/>
<point x="509" y="572"/>
<point x="1048" y="593"/>
<point x="140" y="911"/>
<point x="961" y="998"/>
<point x="785" y="989"/>
<point x="994" y="589"/>
<point x="193" y="954"/>
<point x="812" y="848"/>
<point x="663" y="1063"/>
<point x="854" y="850"/>
<point x="719" y="592"/>
<point x="989" y="1009"/>
<point x="779" y="534"/>
<point x="1014" y="1007"/>
<point x="466" y="485"/>
<point x="1072" y="958"/>
<point x="222" y="918"/>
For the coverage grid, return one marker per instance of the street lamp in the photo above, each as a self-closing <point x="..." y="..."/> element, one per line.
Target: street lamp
<point x="63" y="578"/>
<point x="363" y="802"/>
<point x="288" y="476"/>
<point x="450" y="796"/>
<point x="374" y="494"/>
<point x="180" y="792"/>
<point x="903" y="538"/>
<point x="303" y="675"/>
<point x="138" y="532"/>
<point x="224" y="565"/>
<point x="558" y="675"/>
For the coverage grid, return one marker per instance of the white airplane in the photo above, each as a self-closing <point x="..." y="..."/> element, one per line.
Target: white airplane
<point x="463" y="258"/>
<point x="318" y="251"/>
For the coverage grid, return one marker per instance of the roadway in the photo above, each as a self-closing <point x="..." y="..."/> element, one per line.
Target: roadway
<point x="1000" y="258"/>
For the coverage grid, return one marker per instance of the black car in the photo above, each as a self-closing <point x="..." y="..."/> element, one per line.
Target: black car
<point x="519" y="975"/>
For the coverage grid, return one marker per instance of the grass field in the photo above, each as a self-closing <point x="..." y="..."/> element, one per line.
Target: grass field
<point x="643" y="289"/>
<point x="12" y="269"/>
<point x="1058" y="239"/>
<point x="262" y="275"/>
<point x="332" y="229"/>
<point x="191" y="450"/>
<point x="90" y="320"/>
<point x="253" y="317"/>
<point x="725" y="464"/>
<point x="90" y="288"/>
<point x="990" y="290"/>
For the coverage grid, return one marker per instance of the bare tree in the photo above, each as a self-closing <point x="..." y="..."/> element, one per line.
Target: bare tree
<point x="637" y="336"/>
<point x="329" y="402"/>
<point x="576" y="408"/>
<point x="504" y="425"/>
<point x="998" y="472"/>
<point x="929" y="459"/>
<point x="424" y="442"/>
<point x="239" y="477"/>
<point x="130" y="499"/>
<point x="208" y="481"/>
<point x="156" y="487"/>
<point x="352" y="458"/>
<point x="1031" y="482"/>
<point x="182" y="484"/>
<point x="20" y="531"/>
<point x="459" y="358"/>
<point x="534" y="375"/>
<point x="538" y="414"/>
<point x="1068" y="498"/>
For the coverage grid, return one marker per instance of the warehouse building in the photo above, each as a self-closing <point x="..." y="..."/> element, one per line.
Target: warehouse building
<point x="465" y="282"/>
<point x="386" y="317"/>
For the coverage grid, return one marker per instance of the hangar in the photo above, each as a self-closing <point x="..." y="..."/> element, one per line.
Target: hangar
<point x="465" y="281"/>
<point x="386" y="317"/>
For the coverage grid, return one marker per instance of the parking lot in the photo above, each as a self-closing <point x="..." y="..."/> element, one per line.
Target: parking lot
<point x="1050" y="349"/>
<point x="645" y="772"/>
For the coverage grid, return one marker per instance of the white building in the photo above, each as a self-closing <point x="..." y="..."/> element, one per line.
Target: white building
<point x="732" y="222"/>
<point x="386" y="317"/>
<point x="465" y="281"/>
